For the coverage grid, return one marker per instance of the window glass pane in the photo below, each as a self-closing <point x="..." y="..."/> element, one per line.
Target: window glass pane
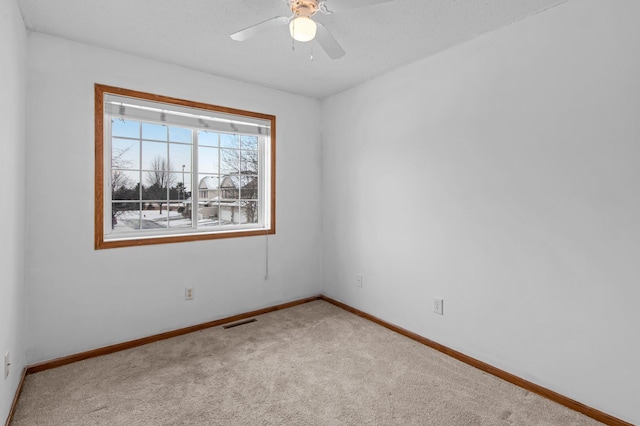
<point x="226" y="213"/>
<point x="154" y="131"/>
<point x="207" y="159"/>
<point x="209" y="224"/>
<point x="157" y="222"/>
<point x="249" y="161"/>
<point x="125" y="185"/>
<point x="237" y="215"/>
<point x="208" y="188"/>
<point x="178" y="210"/>
<point x="182" y="189"/>
<point x="125" y="216"/>
<point x="180" y="157"/>
<point x="179" y="134"/>
<point x="249" y="211"/>
<point x="125" y="128"/>
<point x="229" y="141"/>
<point x="175" y="189"/>
<point x="228" y="188"/>
<point x="206" y="138"/>
<point x="154" y="156"/>
<point x="156" y="186"/>
<point x="208" y="210"/>
<point x="249" y="188"/>
<point x="229" y="161"/>
<point x="154" y="194"/>
<point x="180" y="216"/>
<point x="249" y="142"/>
<point x="125" y="153"/>
<point x="154" y="215"/>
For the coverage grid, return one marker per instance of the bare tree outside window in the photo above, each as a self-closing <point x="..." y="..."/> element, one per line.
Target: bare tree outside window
<point x="160" y="181"/>
<point x="242" y="164"/>
<point x="122" y="187"/>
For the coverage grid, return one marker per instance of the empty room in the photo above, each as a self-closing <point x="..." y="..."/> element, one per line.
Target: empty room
<point x="320" y="212"/>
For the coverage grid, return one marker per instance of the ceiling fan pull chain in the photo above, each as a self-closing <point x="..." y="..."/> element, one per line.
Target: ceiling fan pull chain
<point x="311" y="58"/>
<point x="293" y="40"/>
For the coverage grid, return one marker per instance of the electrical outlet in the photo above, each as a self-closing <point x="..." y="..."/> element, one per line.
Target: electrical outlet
<point x="7" y="363"/>
<point x="438" y="305"/>
<point x="359" y="280"/>
<point x="188" y="293"/>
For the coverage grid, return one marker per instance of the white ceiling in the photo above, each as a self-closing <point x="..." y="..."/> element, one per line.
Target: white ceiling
<point x="195" y="34"/>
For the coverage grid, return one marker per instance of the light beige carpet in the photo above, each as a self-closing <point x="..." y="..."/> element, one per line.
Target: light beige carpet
<point x="313" y="364"/>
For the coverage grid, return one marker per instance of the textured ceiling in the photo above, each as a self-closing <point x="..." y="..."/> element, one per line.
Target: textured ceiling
<point x="195" y="34"/>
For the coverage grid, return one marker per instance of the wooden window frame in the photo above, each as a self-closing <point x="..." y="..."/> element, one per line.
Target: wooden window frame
<point x="99" y="240"/>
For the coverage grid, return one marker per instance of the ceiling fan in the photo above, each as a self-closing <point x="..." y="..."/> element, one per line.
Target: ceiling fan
<point x="302" y="27"/>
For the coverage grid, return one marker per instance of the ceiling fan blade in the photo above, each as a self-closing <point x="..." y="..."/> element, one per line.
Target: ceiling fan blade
<point x="253" y="30"/>
<point x="340" y="5"/>
<point x="328" y="43"/>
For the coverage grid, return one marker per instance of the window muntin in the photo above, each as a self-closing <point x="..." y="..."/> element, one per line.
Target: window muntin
<point x="170" y="170"/>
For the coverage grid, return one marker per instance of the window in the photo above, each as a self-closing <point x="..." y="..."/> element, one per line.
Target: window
<point x="170" y="170"/>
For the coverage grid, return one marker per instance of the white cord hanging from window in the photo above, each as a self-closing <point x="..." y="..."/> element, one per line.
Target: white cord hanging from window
<point x="266" y="263"/>
<point x="293" y="41"/>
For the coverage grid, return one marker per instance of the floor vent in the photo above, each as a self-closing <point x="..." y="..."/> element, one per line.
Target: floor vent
<point x="235" y="324"/>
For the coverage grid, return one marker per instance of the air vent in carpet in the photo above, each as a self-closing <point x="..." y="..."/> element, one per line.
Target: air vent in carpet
<point x="235" y="324"/>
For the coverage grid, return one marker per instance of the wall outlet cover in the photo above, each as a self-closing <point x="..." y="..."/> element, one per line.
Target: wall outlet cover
<point x="188" y="293"/>
<point x="438" y="305"/>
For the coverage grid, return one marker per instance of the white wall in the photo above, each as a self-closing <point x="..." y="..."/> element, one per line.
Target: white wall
<point x="13" y="36"/>
<point x="81" y="298"/>
<point x="502" y="175"/>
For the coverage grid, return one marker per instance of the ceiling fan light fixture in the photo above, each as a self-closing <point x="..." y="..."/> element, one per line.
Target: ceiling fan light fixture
<point x="303" y="28"/>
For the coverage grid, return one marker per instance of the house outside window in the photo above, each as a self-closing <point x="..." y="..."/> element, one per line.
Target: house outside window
<point x="169" y="170"/>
